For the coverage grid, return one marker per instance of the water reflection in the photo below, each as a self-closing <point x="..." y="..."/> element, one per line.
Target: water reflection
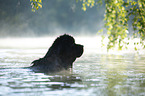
<point x="114" y="75"/>
<point x="92" y="75"/>
<point x="21" y="81"/>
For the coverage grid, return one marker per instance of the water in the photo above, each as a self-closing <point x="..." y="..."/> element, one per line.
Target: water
<point x="96" y="73"/>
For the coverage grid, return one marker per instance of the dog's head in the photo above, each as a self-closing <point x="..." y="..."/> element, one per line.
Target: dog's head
<point x="64" y="47"/>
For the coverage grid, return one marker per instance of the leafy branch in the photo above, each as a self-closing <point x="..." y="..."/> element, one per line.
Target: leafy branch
<point x="117" y="16"/>
<point x="36" y="4"/>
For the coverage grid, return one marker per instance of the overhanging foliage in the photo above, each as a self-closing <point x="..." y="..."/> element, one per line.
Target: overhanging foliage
<point x="117" y="16"/>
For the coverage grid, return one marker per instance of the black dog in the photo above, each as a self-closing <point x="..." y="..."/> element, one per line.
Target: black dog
<point x="60" y="55"/>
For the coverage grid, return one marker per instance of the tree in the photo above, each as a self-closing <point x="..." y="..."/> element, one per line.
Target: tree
<point x="118" y="13"/>
<point x="36" y="4"/>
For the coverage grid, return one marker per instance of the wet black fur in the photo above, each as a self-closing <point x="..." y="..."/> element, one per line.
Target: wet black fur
<point x="60" y="55"/>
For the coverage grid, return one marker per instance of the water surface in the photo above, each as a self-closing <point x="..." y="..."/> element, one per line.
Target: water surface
<point x="94" y="74"/>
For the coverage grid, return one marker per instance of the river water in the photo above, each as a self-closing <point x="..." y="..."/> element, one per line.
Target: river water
<point x="96" y="73"/>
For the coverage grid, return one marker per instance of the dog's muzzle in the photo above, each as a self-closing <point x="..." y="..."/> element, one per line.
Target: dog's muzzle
<point x="79" y="50"/>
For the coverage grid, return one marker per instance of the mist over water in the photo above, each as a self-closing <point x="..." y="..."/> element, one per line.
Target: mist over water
<point x="26" y="36"/>
<point x="92" y="44"/>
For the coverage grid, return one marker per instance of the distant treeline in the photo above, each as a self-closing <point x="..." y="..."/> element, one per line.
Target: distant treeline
<point x="56" y="16"/>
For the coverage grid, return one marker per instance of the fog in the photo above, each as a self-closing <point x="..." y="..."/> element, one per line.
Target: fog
<point x="20" y="27"/>
<point x="54" y="18"/>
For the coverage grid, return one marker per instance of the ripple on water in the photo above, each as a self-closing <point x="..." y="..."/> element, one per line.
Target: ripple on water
<point x="93" y="74"/>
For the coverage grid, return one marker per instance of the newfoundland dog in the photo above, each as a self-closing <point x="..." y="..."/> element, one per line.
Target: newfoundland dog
<point x="60" y="55"/>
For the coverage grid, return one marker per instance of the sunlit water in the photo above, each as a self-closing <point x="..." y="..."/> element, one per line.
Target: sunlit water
<point x="96" y="73"/>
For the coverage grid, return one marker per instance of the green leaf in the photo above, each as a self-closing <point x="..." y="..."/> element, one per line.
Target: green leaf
<point x="135" y="49"/>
